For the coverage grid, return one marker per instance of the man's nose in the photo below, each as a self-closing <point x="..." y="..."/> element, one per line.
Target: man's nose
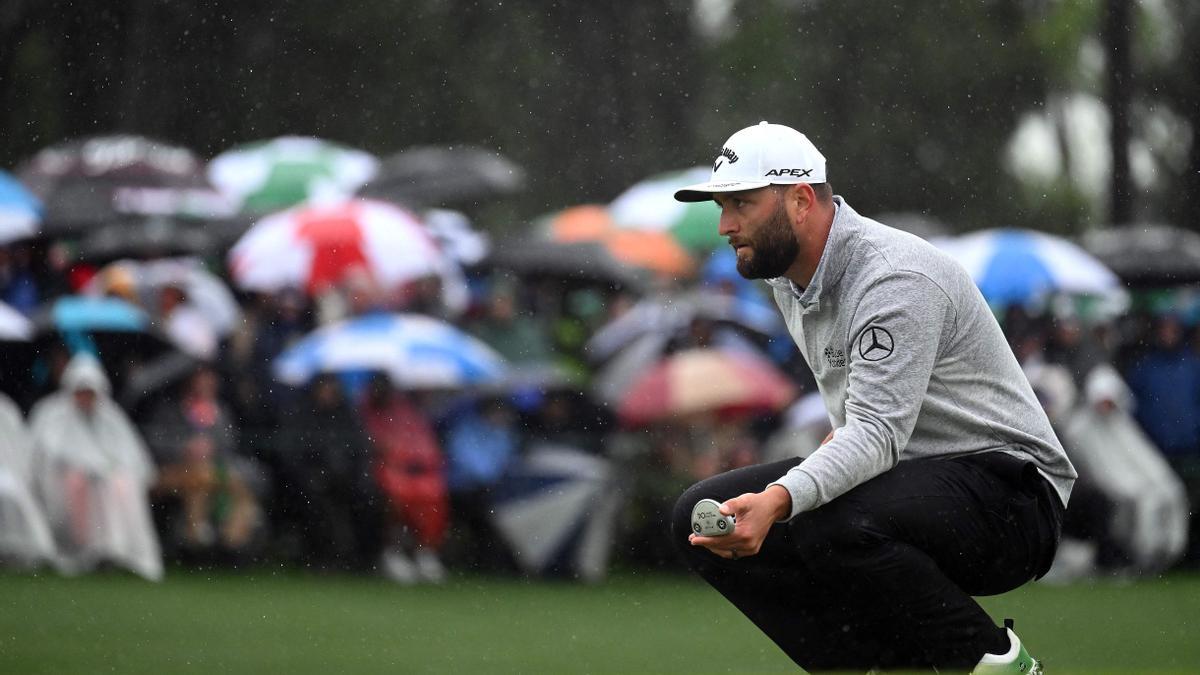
<point x="727" y="224"/>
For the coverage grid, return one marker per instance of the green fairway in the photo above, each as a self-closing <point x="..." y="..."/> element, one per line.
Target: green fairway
<point x="291" y="623"/>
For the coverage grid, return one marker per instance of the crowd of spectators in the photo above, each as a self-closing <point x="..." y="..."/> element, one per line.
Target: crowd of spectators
<point x="223" y="465"/>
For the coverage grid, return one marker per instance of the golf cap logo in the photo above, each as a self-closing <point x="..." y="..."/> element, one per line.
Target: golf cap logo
<point x="875" y="344"/>
<point x="726" y="154"/>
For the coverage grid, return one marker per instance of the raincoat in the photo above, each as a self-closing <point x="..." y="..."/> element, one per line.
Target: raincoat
<point x="24" y="536"/>
<point x="92" y="473"/>
<point x="1150" y="507"/>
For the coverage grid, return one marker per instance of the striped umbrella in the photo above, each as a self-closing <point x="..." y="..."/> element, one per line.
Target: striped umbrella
<point x="1013" y="266"/>
<point x="417" y="351"/>
<point x="313" y="247"/>
<point x="272" y="175"/>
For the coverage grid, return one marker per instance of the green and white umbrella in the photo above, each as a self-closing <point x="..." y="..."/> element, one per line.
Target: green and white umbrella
<point x="276" y="174"/>
<point x="650" y="205"/>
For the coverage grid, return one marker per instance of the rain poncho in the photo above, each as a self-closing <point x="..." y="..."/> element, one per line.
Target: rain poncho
<point x="92" y="472"/>
<point x="24" y="535"/>
<point x="1150" y="509"/>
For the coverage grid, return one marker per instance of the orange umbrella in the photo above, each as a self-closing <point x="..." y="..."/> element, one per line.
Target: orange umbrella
<point x="658" y="252"/>
<point x="589" y="222"/>
<point x="655" y="251"/>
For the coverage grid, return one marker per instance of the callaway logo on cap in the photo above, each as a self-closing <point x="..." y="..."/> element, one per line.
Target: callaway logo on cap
<point x="758" y="156"/>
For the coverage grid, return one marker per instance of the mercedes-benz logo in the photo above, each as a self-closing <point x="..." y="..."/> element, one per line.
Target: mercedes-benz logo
<point x="875" y="344"/>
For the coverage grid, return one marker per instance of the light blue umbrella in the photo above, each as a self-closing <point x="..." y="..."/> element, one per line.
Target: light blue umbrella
<point x="20" y="211"/>
<point x="1022" y="267"/>
<point x="417" y="351"/>
<point x="75" y="313"/>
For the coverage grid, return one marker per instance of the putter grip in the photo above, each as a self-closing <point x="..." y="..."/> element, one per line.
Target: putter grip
<point x="708" y="521"/>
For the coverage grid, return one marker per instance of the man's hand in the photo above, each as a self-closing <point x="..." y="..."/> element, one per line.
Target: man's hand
<point x="756" y="512"/>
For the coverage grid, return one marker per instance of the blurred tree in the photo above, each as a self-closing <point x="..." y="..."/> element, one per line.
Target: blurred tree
<point x="585" y="94"/>
<point x="912" y="103"/>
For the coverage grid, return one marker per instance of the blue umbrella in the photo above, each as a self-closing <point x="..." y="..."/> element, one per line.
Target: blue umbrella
<point x="75" y="313"/>
<point x="557" y="511"/>
<point x="1020" y="267"/>
<point x="20" y="211"/>
<point x="416" y="351"/>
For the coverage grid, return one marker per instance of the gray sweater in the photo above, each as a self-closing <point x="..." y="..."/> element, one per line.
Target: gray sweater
<point x="910" y="362"/>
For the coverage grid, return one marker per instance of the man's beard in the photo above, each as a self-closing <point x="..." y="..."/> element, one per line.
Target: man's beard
<point x="774" y="248"/>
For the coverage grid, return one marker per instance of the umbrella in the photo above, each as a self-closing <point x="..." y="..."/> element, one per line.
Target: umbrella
<point x="557" y="512"/>
<point x="13" y="325"/>
<point x="1013" y="266"/>
<point x="150" y="237"/>
<point x="705" y="381"/>
<point x="621" y="370"/>
<point x="416" y="351"/>
<point x="455" y="235"/>
<point x="673" y="313"/>
<point x="583" y="261"/>
<point x="651" y="250"/>
<point x="76" y="313"/>
<point x="271" y="175"/>
<point x="313" y="247"/>
<point x="20" y="211"/>
<point x="1147" y="254"/>
<point x="441" y="175"/>
<point x="651" y="205"/>
<point x="144" y="280"/>
<point x="101" y="179"/>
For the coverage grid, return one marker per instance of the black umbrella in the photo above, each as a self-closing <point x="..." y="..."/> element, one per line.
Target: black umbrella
<point x="1147" y="254"/>
<point x="582" y="261"/>
<point x="101" y="179"/>
<point x="145" y="238"/>
<point x="444" y="175"/>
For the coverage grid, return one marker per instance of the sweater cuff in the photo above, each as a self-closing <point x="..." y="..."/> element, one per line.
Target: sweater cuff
<point x="803" y="490"/>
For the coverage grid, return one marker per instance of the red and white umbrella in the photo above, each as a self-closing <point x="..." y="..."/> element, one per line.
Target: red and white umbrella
<point x="313" y="247"/>
<point x="706" y="381"/>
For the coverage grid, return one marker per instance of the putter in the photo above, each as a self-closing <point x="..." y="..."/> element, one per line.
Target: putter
<point x="708" y="521"/>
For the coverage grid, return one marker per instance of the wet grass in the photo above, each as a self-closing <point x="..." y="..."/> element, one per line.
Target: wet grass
<point x="289" y="622"/>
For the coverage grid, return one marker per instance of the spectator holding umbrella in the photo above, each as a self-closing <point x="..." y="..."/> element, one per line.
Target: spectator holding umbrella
<point x="409" y="470"/>
<point x="327" y="497"/>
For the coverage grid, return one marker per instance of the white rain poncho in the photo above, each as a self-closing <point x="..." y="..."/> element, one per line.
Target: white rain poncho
<point x="1150" y="514"/>
<point x="24" y="536"/>
<point x="92" y="472"/>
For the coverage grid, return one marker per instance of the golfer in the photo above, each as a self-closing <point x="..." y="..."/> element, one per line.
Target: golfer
<point x="942" y="479"/>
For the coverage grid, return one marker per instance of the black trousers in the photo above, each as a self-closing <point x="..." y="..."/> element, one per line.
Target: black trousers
<point x="883" y="576"/>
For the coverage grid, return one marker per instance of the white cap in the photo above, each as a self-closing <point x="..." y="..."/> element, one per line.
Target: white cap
<point x="758" y="156"/>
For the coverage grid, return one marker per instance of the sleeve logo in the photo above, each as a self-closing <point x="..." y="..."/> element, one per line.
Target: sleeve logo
<point x="875" y="344"/>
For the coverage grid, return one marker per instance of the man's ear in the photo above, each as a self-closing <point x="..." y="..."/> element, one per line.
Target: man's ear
<point x="799" y="199"/>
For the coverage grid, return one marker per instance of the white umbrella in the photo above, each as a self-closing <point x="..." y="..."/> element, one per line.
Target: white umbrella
<point x="204" y="290"/>
<point x="14" y="325"/>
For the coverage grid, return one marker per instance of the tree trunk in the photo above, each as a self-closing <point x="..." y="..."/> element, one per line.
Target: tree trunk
<point x="1119" y="83"/>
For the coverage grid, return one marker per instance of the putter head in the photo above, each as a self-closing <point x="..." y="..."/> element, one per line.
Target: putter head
<point x="708" y="521"/>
